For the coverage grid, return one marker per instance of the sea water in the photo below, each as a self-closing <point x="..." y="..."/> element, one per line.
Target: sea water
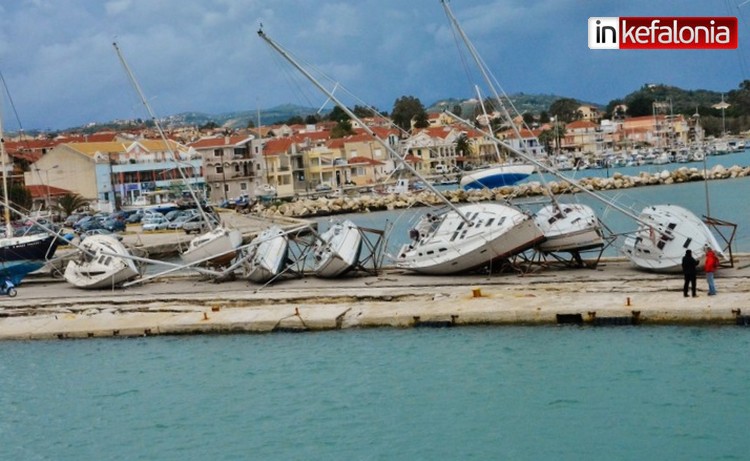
<point x="472" y="393"/>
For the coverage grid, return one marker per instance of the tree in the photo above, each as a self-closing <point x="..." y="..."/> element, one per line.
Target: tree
<point x="565" y="110"/>
<point x="294" y="120"/>
<point x="364" y="111"/>
<point x="20" y="197"/>
<point x="250" y="123"/>
<point x="209" y="126"/>
<point x="456" y="110"/>
<point x="342" y="128"/>
<point x="407" y="108"/>
<point x="462" y="145"/>
<point x="640" y="105"/>
<point x="337" y="114"/>
<point x="528" y="119"/>
<point x="311" y="119"/>
<point x="543" y="117"/>
<point x="69" y="203"/>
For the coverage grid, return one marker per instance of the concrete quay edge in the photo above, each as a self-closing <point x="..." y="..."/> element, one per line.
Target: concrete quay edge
<point x="612" y="294"/>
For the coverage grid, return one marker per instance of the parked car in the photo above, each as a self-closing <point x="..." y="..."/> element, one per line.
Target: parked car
<point x="197" y="224"/>
<point x="99" y="232"/>
<point x="177" y="222"/>
<point x="114" y="225"/>
<point x="155" y="223"/>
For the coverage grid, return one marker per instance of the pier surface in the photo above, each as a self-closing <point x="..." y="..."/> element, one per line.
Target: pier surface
<point x="612" y="294"/>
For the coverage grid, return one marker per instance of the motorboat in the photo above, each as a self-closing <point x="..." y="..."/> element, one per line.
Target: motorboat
<point x="446" y="243"/>
<point x="269" y="255"/>
<point x="569" y="228"/>
<point x="103" y="262"/>
<point x="217" y="247"/>
<point x="496" y="176"/>
<point x="337" y="252"/>
<point x="664" y="233"/>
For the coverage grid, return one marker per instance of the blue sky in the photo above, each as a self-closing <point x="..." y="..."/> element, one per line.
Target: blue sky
<point x="202" y="55"/>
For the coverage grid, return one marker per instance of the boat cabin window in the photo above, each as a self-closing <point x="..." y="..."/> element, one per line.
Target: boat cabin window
<point x="671" y="226"/>
<point x="489" y="222"/>
<point x="687" y="242"/>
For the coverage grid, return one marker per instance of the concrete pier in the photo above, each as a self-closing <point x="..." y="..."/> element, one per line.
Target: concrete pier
<point x="608" y="295"/>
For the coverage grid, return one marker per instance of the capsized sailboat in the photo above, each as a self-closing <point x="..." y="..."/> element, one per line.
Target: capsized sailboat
<point x="664" y="234"/>
<point x="104" y="262"/>
<point x="569" y="227"/>
<point x="270" y="255"/>
<point x="447" y="244"/>
<point x="456" y="240"/>
<point x="337" y="252"/>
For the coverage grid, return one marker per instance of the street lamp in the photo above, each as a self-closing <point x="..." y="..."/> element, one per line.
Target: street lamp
<point x="46" y="184"/>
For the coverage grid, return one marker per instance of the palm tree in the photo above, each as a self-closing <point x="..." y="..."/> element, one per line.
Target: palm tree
<point x="69" y="203"/>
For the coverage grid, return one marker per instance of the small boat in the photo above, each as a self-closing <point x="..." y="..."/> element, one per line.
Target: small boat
<point x="99" y="265"/>
<point x="337" y="251"/>
<point x="270" y="255"/>
<point x="216" y="247"/>
<point x="265" y="192"/>
<point x="496" y="176"/>
<point x="446" y="244"/>
<point x="664" y="234"/>
<point x="569" y="228"/>
<point x="21" y="255"/>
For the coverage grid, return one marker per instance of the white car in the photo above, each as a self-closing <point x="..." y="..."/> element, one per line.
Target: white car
<point x="155" y="223"/>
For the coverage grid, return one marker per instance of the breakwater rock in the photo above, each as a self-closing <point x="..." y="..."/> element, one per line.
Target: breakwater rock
<point x="324" y="206"/>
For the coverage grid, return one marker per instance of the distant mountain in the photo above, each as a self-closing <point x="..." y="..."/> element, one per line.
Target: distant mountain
<point x="533" y="103"/>
<point x="240" y="119"/>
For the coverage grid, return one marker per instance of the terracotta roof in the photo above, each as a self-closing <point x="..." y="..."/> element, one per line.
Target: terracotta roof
<point x="222" y="141"/>
<point x="40" y="191"/>
<point x="581" y="124"/>
<point x="367" y="160"/>
<point x="277" y="146"/>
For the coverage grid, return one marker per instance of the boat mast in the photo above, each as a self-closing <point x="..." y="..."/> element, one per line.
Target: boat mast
<point x="3" y="154"/>
<point x="364" y="126"/>
<point x="164" y="139"/>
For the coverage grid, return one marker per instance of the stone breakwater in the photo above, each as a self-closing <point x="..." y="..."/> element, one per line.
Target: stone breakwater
<point x="323" y="206"/>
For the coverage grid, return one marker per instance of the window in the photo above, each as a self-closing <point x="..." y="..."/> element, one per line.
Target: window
<point x="226" y="187"/>
<point x="243" y="186"/>
<point x="218" y="152"/>
<point x="236" y="167"/>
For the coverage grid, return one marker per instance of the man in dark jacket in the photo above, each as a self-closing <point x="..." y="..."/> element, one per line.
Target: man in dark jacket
<point x="689" y="265"/>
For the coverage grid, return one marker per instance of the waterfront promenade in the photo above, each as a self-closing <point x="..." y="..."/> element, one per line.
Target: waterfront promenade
<point x="613" y="293"/>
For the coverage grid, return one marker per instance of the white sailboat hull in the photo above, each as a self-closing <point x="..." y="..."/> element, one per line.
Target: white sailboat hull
<point x="270" y="256"/>
<point x="339" y="250"/>
<point x="576" y="228"/>
<point x="660" y="244"/>
<point x="217" y="247"/>
<point x="101" y="270"/>
<point x="449" y="245"/>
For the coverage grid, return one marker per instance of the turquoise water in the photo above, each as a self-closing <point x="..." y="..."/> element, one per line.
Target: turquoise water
<point x="519" y="393"/>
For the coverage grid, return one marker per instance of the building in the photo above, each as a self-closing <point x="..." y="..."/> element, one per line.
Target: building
<point x="114" y="174"/>
<point x="230" y="166"/>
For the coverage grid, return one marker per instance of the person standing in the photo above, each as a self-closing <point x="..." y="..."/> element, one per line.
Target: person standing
<point x="710" y="267"/>
<point x="689" y="270"/>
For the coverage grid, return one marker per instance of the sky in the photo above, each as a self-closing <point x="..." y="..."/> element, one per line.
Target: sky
<point x="61" y="70"/>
